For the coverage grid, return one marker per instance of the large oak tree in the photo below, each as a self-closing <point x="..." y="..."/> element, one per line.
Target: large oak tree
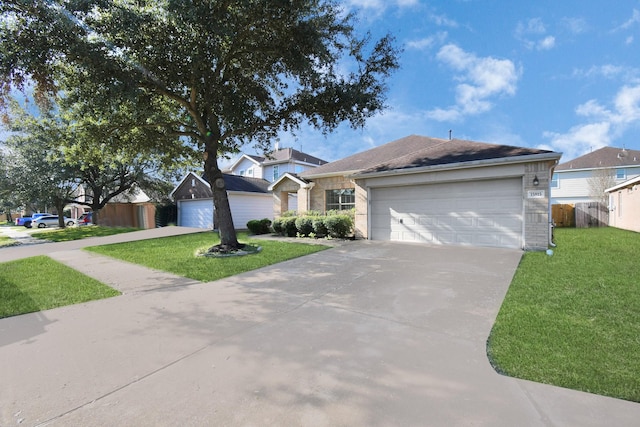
<point x="233" y="71"/>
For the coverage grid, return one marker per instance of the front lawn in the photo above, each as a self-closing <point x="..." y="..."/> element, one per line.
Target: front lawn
<point x="177" y="255"/>
<point x="40" y="283"/>
<point x="573" y="319"/>
<point x="77" y="233"/>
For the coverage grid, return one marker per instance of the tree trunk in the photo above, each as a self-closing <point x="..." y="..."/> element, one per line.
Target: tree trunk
<point x="222" y="210"/>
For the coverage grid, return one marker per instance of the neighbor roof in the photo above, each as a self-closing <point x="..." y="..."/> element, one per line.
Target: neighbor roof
<point x="232" y="183"/>
<point x="282" y="155"/>
<point x="605" y="157"/>
<point x="419" y="151"/>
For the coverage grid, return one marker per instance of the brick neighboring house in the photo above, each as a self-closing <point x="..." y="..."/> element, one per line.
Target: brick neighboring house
<point x="570" y="183"/>
<point x="428" y="190"/>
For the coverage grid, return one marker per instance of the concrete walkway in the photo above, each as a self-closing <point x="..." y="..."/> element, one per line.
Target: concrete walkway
<point x="365" y="333"/>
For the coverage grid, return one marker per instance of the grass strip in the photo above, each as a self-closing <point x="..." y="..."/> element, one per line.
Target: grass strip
<point x="77" y="233"/>
<point x="40" y="283"/>
<point x="573" y="319"/>
<point x="177" y="255"/>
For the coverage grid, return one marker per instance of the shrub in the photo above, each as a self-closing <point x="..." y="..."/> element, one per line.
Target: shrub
<point x="304" y="225"/>
<point x="289" y="214"/>
<point x="277" y="226"/>
<point x="339" y="225"/>
<point x="319" y="229"/>
<point x="259" y="226"/>
<point x="289" y="226"/>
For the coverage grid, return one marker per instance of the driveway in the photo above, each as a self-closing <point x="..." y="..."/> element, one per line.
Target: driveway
<point x="365" y="333"/>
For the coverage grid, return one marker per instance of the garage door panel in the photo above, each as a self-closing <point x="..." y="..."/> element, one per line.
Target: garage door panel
<point x="483" y="213"/>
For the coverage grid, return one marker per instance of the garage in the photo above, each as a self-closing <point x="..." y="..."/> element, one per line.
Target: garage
<point x="478" y="213"/>
<point x="196" y="213"/>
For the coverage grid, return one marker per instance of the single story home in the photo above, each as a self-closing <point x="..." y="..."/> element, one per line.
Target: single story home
<point x="429" y="190"/>
<point x="249" y="198"/>
<point x="624" y="205"/>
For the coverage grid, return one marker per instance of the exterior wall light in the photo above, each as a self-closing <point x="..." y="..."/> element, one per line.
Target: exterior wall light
<point x="536" y="181"/>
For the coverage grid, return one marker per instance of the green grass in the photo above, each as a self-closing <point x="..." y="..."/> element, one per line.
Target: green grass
<point x="177" y="255"/>
<point x="77" y="233"/>
<point x="573" y="319"/>
<point x="40" y="283"/>
<point x="6" y="241"/>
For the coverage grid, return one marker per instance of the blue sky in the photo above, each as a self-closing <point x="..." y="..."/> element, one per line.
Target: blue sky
<point x="561" y="75"/>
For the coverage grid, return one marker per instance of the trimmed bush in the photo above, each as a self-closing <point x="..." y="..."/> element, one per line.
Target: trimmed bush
<point x="319" y="229"/>
<point x="289" y="226"/>
<point x="339" y="225"/>
<point x="277" y="226"/>
<point x="304" y="225"/>
<point x="259" y="226"/>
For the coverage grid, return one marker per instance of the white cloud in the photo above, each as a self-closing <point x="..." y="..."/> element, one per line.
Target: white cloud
<point x="629" y="40"/>
<point x="379" y="6"/>
<point x="481" y="79"/>
<point x="533" y="35"/>
<point x="428" y="42"/>
<point x="547" y="43"/>
<point x="444" y="21"/>
<point x="575" y="25"/>
<point x="635" y="19"/>
<point x="607" y="124"/>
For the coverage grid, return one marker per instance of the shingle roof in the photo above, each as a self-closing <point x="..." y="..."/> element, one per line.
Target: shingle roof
<point x="243" y="183"/>
<point x="285" y="154"/>
<point x="606" y="157"/>
<point x="418" y="151"/>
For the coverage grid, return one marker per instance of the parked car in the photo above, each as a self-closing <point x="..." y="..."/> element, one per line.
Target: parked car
<point x="51" y="220"/>
<point x="85" y="219"/>
<point x="26" y="220"/>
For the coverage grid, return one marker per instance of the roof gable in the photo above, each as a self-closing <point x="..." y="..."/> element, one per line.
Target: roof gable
<point x="605" y="157"/>
<point x="232" y="183"/>
<point x="419" y="151"/>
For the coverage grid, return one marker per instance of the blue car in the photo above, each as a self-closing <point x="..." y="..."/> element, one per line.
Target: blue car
<point x="26" y="220"/>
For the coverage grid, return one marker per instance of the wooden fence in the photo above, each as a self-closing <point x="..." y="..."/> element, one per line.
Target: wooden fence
<point x="580" y="215"/>
<point x="592" y="214"/>
<point x="563" y="215"/>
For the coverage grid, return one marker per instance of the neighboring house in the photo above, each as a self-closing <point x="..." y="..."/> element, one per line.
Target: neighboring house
<point x="274" y="165"/>
<point x="576" y="181"/>
<point x="132" y="208"/>
<point x="421" y="189"/>
<point x="249" y="198"/>
<point x="624" y="205"/>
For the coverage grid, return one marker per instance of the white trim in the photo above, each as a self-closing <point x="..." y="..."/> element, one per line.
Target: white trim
<point x="244" y="156"/>
<point x="300" y="182"/>
<point x="623" y="185"/>
<point x="184" y="179"/>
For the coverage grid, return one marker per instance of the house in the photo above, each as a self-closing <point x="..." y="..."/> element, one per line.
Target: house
<point x="132" y="208"/>
<point x="249" y="198"/>
<point x="624" y="205"/>
<point x="584" y="179"/>
<point x="274" y="165"/>
<point x="421" y="189"/>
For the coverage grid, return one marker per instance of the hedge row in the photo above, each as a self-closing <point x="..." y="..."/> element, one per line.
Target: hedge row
<point x="335" y="225"/>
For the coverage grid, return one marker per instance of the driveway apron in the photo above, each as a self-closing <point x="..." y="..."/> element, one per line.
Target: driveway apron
<point x="365" y="333"/>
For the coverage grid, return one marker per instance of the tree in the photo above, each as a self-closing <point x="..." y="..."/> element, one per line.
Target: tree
<point x="600" y="180"/>
<point x="232" y="71"/>
<point x="38" y="173"/>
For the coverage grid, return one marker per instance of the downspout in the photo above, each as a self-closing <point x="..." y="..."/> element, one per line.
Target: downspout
<point x="551" y="224"/>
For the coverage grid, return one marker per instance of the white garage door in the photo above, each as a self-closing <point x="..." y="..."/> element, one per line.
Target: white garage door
<point x="478" y="213"/>
<point x="196" y="213"/>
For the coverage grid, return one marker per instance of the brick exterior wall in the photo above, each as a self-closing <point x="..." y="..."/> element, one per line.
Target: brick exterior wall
<point x="536" y="210"/>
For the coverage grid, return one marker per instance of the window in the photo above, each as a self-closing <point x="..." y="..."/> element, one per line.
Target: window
<point x="241" y="172"/>
<point x="341" y="199"/>
<point x="621" y="174"/>
<point x="554" y="181"/>
<point x="276" y="173"/>
<point x="250" y="172"/>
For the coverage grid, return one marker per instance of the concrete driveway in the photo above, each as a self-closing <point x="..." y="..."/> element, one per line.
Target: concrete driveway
<point x="365" y="333"/>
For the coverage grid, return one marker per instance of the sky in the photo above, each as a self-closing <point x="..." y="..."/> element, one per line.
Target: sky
<point x="558" y="75"/>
